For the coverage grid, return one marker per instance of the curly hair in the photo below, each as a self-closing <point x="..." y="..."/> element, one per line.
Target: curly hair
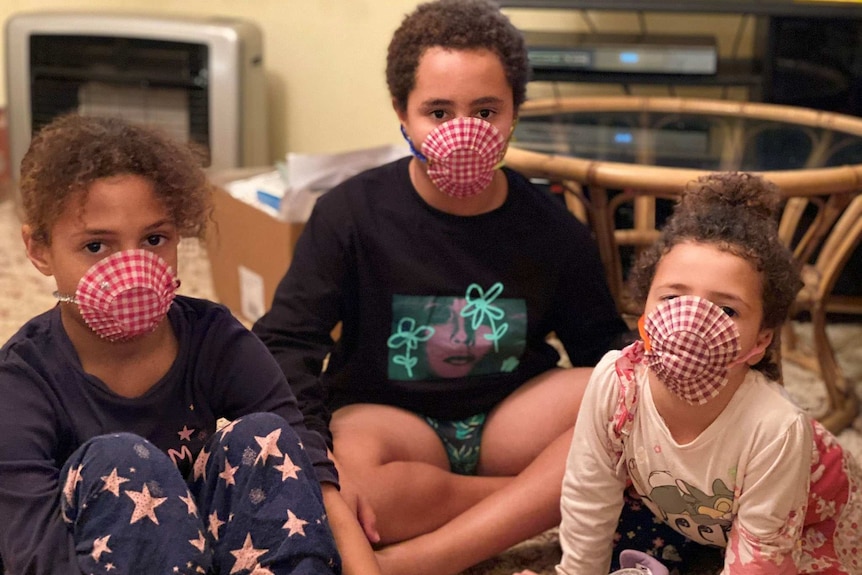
<point x="71" y="152"/>
<point x="456" y="25"/>
<point x="738" y="213"/>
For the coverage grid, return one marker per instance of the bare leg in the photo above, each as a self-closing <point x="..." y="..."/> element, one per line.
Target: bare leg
<point x="523" y="509"/>
<point x="396" y="460"/>
<point x="531" y="429"/>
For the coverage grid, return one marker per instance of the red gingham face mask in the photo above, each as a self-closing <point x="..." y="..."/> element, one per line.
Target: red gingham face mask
<point x="125" y="295"/>
<point x="689" y="344"/>
<point x="462" y="155"/>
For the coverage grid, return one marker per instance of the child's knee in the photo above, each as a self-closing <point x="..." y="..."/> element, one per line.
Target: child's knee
<point x="103" y="453"/>
<point x="107" y="464"/>
<point x="251" y="429"/>
<point x="257" y="423"/>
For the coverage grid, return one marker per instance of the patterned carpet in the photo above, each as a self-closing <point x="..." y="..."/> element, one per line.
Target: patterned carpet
<point x="26" y="293"/>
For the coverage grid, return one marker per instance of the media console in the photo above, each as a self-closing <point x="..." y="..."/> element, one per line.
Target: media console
<point x="625" y="53"/>
<point x="805" y="53"/>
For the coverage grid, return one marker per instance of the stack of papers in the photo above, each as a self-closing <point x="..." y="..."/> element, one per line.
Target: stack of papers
<point x="289" y="192"/>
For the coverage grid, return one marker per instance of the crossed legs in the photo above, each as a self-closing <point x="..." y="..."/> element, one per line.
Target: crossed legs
<point x="434" y="521"/>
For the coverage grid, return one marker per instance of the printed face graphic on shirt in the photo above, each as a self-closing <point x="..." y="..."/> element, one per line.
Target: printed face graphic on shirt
<point x="450" y="337"/>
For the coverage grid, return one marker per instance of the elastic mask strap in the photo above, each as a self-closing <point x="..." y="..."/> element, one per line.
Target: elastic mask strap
<point x="64" y="298"/>
<point x="642" y="332"/>
<point x="754" y="351"/>
<point x="419" y="155"/>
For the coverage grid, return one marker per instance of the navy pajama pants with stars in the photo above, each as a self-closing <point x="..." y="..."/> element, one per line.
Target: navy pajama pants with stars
<point x="251" y="506"/>
<point x="638" y="529"/>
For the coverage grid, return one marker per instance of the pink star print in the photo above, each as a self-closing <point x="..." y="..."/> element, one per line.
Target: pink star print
<point x="145" y="504"/>
<point x="72" y="479"/>
<point x="246" y="557"/>
<point x="268" y="446"/>
<point x="215" y="523"/>
<point x="288" y="469"/>
<point x="100" y="545"/>
<point x="201" y="464"/>
<point x="228" y="428"/>
<point x="228" y="473"/>
<point x="294" y="524"/>
<point x="200" y="542"/>
<point x="190" y="504"/>
<point x="186" y="433"/>
<point x="113" y="482"/>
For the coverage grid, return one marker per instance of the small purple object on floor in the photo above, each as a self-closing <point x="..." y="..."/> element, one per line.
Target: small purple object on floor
<point x="639" y="563"/>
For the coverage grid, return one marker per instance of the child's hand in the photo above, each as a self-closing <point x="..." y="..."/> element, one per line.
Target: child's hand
<point x="358" y="504"/>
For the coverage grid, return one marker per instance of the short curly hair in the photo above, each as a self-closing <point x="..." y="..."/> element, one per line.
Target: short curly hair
<point x="738" y="213"/>
<point x="71" y="152"/>
<point x="455" y="25"/>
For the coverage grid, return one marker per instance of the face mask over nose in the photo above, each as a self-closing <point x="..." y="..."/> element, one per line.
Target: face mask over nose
<point x="125" y="295"/>
<point x="690" y="344"/>
<point x="462" y="155"/>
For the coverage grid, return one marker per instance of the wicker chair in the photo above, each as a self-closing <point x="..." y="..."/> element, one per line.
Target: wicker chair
<point x="825" y="247"/>
<point x="596" y="189"/>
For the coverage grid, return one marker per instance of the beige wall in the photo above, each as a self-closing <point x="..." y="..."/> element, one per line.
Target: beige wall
<point x="325" y="59"/>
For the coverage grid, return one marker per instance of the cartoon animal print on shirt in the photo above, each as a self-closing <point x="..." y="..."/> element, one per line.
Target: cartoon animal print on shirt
<point x="702" y="517"/>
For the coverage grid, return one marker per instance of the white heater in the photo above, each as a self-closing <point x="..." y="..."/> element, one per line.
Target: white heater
<point x="200" y="78"/>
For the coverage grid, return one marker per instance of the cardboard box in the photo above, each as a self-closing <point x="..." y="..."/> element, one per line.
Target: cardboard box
<point x="249" y="251"/>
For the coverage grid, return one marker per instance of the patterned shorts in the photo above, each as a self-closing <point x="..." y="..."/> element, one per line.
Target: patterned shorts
<point x="462" y="440"/>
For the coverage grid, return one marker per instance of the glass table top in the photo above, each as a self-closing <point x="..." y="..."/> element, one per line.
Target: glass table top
<point x="694" y="140"/>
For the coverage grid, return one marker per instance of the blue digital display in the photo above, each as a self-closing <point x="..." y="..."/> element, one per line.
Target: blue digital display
<point x="629" y="57"/>
<point x="623" y="138"/>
